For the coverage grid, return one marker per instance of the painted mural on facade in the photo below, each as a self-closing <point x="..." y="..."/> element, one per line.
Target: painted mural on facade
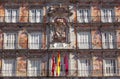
<point x="21" y="66"/>
<point x="23" y="39"/>
<point x="118" y="38"/>
<point x="96" y="39"/>
<point x="2" y="13"/>
<point x="97" y="64"/>
<point x="24" y="14"/>
<point x="95" y="14"/>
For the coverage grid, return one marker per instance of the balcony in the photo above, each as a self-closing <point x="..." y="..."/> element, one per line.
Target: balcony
<point x="39" y="73"/>
<point x="98" y="19"/>
<point x="89" y="19"/>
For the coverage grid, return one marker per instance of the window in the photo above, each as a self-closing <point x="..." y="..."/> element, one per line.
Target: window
<point x="84" y="40"/>
<point x="11" y="15"/>
<point x="35" y="15"/>
<point x="10" y="40"/>
<point x="9" y="67"/>
<point x="107" y="40"/>
<point x="35" y="40"/>
<point x="83" y="15"/>
<point x="84" y="67"/>
<point x="107" y="15"/>
<point x="110" y="67"/>
<point x="34" y="67"/>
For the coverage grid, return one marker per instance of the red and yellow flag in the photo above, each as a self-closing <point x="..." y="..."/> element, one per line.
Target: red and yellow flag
<point x="58" y="64"/>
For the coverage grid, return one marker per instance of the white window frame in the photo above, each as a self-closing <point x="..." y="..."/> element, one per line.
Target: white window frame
<point x="36" y="15"/>
<point x="107" y="15"/>
<point x="9" y="69"/>
<point x="36" y="70"/>
<point x="108" y="40"/>
<point x="84" y="40"/>
<point x="83" y="15"/>
<point x="11" y="15"/>
<point x="31" y="40"/>
<point x="109" y="68"/>
<point x="10" y="42"/>
<point x="84" y="69"/>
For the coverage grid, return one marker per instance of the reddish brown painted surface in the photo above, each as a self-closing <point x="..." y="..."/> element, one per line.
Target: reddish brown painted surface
<point x="95" y="13"/>
<point x="117" y="13"/>
<point x="21" y="66"/>
<point x="2" y="13"/>
<point x="23" y="14"/>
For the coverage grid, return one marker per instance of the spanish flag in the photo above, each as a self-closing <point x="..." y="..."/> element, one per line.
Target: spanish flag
<point x="58" y="64"/>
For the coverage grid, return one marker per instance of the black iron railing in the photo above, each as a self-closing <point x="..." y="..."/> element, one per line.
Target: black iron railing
<point x="39" y="19"/>
<point x="70" y="73"/>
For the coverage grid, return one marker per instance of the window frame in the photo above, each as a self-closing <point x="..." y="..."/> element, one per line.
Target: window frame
<point x="38" y="73"/>
<point x="6" y="41"/>
<point x="104" y="67"/>
<point x="40" y="41"/>
<point x="112" y="15"/>
<point x="89" y="67"/>
<point x="108" y="44"/>
<point x="14" y="63"/>
<point x="86" y="45"/>
<point x="83" y="15"/>
<point x="11" y="15"/>
<point x="35" y="15"/>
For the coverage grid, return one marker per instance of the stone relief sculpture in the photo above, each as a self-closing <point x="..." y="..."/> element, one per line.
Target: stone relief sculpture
<point x="59" y="20"/>
<point x="59" y="34"/>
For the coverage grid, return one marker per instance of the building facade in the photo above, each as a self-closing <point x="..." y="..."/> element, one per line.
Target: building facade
<point x="77" y="39"/>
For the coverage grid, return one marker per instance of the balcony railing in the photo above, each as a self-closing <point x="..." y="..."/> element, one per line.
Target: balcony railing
<point x="102" y="45"/>
<point x="70" y="73"/>
<point x="22" y="46"/>
<point x="80" y="45"/>
<point x="89" y="19"/>
<point x="21" y="19"/>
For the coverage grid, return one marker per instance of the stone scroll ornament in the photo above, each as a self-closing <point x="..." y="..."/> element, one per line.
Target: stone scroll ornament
<point x="23" y="39"/>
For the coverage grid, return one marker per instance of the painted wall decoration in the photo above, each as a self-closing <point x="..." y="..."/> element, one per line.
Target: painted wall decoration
<point x="118" y="38"/>
<point x="2" y="13"/>
<point x="97" y="65"/>
<point x="23" y="14"/>
<point x="23" y="39"/>
<point x="96" y="39"/>
<point x="95" y="14"/>
<point x="1" y="39"/>
<point x="117" y="13"/>
<point x="21" y="66"/>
